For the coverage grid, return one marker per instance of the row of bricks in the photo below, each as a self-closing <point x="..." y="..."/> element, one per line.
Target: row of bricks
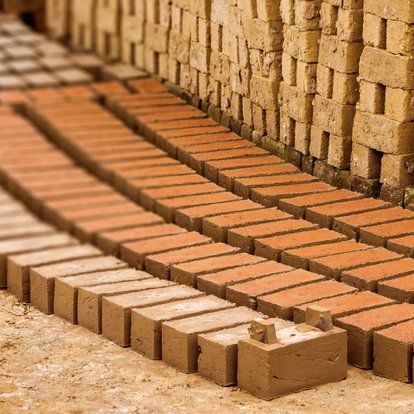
<point x="208" y="265"/>
<point x="78" y="295"/>
<point x="185" y="328"/>
<point x="245" y="229"/>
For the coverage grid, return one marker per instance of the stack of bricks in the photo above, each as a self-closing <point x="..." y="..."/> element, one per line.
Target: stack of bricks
<point x="132" y="32"/>
<point x="58" y="18"/>
<point x="108" y="29"/>
<point x="337" y="85"/>
<point x="157" y="28"/>
<point x="383" y="129"/>
<point x="82" y="26"/>
<point x="299" y="64"/>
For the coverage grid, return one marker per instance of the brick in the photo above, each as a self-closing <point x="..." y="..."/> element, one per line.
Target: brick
<point x="379" y="235"/>
<point x="299" y="205"/>
<point x="402" y="245"/>
<point x="300" y="257"/>
<point x="244" y="237"/>
<point x="350" y="225"/>
<point x="180" y="338"/>
<point x="18" y="266"/>
<point x="393" y="352"/>
<point x="344" y="305"/>
<point x="159" y="264"/>
<point x="249" y="293"/>
<point x="134" y="253"/>
<point x="65" y="303"/>
<point x="361" y="327"/>
<point x="42" y="278"/>
<point x="281" y="304"/>
<point x="146" y="323"/>
<point x="192" y="218"/>
<point x="30" y="244"/>
<point x="217" y="227"/>
<point x="20" y="226"/>
<point x="187" y="273"/>
<point x="116" y="310"/>
<point x="272" y="247"/>
<point x="400" y="289"/>
<point x="270" y="196"/>
<point x="368" y="277"/>
<point x="324" y="215"/>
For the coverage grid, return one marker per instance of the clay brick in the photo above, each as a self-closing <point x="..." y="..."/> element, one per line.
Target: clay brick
<point x="281" y="304"/>
<point x="166" y="208"/>
<point x="23" y="226"/>
<point x="193" y="217"/>
<point x="299" y="205"/>
<point x="249" y="293"/>
<point x="333" y="266"/>
<point x="324" y="215"/>
<point x="110" y="242"/>
<point x="300" y="257"/>
<point x="116" y="310"/>
<point x="159" y="265"/>
<point x="134" y="253"/>
<point x="402" y="245"/>
<point x="187" y="273"/>
<point x="393" y="352"/>
<point x="146" y="323"/>
<point x="367" y="277"/>
<point x="180" y="338"/>
<point x="361" y="327"/>
<point x="379" y="235"/>
<point x="30" y="244"/>
<point x="226" y="178"/>
<point x="270" y="196"/>
<point x="18" y="266"/>
<point x="350" y="225"/>
<point x="65" y="303"/>
<point x="272" y="247"/>
<point x="149" y="197"/>
<point x="345" y="305"/>
<point x="244" y="237"/>
<point x="217" y="227"/>
<point x="400" y="289"/>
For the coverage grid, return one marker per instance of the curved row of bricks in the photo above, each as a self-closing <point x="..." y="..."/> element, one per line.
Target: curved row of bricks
<point x="159" y="318"/>
<point x="104" y="161"/>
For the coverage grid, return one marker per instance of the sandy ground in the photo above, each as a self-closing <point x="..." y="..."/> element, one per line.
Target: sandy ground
<point x="48" y="366"/>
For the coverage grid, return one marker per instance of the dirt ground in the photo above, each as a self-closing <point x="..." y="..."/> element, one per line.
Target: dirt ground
<point x="50" y="366"/>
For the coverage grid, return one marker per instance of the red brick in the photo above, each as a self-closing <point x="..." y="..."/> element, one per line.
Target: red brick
<point x="270" y="196"/>
<point x="361" y="327"/>
<point x="249" y="293"/>
<point x="350" y="225"/>
<point x="216" y="283"/>
<point x="324" y="215"/>
<point x="333" y="266"/>
<point x="403" y="245"/>
<point x="146" y="85"/>
<point x="379" y="235"/>
<point x="244" y="186"/>
<point x="217" y="227"/>
<point x="298" y="205"/>
<point x="244" y="237"/>
<point x="149" y="197"/>
<point x="344" y="305"/>
<point x="300" y="257"/>
<point x="187" y="273"/>
<point x="192" y="218"/>
<point x="226" y="177"/>
<point x="159" y="265"/>
<point x="367" y="277"/>
<point x="393" y="352"/>
<point x="212" y="168"/>
<point x="400" y="289"/>
<point x="109" y="242"/>
<point x="166" y="208"/>
<point x="272" y="247"/>
<point x="281" y="304"/>
<point x="187" y="114"/>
